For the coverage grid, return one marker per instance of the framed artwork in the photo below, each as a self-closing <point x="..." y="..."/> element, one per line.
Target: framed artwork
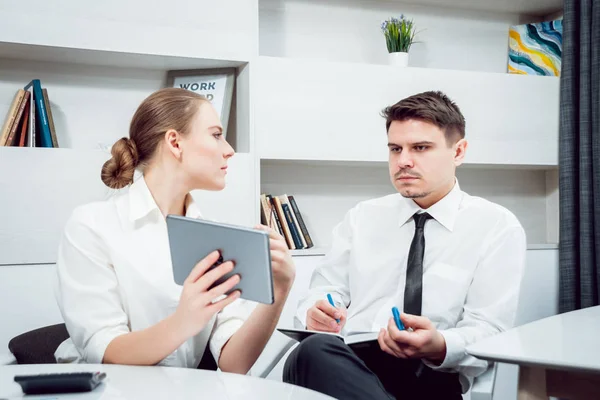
<point x="215" y="84"/>
<point x="535" y="49"/>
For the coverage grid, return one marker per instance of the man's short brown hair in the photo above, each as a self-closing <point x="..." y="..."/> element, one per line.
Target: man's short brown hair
<point x="433" y="107"/>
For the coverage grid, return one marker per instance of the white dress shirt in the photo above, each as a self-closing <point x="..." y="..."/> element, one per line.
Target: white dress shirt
<point x="115" y="276"/>
<point x="472" y="269"/>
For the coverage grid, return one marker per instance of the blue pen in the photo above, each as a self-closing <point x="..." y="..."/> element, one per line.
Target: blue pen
<point x="333" y="305"/>
<point x="397" y="318"/>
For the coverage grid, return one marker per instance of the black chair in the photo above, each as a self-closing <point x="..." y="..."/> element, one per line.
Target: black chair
<point x="38" y="347"/>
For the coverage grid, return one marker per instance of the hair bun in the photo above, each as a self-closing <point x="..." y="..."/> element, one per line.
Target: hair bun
<point x="118" y="171"/>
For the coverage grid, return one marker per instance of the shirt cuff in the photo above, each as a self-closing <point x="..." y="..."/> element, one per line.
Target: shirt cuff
<point x="221" y="335"/>
<point x="96" y="347"/>
<point x="305" y="305"/>
<point x="455" y="351"/>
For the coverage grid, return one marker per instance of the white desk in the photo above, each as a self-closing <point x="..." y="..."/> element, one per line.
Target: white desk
<point x="558" y="356"/>
<point x="128" y="382"/>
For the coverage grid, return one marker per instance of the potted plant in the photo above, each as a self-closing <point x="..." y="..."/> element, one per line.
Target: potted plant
<point x="399" y="36"/>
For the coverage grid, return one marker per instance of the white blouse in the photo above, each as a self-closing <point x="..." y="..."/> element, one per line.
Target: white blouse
<point x="115" y="276"/>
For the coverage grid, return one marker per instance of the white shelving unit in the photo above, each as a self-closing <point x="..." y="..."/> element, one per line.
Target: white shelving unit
<point x="319" y="133"/>
<point x="311" y="82"/>
<point x="98" y="63"/>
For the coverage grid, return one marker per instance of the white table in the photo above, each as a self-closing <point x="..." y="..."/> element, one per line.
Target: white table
<point x="558" y="356"/>
<point x="147" y="383"/>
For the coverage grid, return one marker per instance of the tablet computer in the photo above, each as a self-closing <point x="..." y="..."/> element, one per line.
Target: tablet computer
<point x="191" y="239"/>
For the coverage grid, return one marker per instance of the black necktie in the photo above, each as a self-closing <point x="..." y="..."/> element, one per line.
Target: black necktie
<point x="413" y="289"/>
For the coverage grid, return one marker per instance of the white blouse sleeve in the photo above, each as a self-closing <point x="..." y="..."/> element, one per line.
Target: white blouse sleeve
<point x="87" y="291"/>
<point x="229" y="320"/>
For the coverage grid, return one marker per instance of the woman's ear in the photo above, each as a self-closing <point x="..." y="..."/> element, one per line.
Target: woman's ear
<point x="173" y="141"/>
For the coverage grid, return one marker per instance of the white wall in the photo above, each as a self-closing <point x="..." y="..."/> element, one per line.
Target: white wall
<point x="26" y="300"/>
<point x="325" y="192"/>
<point x="201" y="28"/>
<point x="349" y="30"/>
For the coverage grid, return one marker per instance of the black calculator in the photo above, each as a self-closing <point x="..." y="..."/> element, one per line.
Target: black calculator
<point x="65" y="382"/>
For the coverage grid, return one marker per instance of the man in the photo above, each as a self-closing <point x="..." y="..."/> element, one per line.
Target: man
<point x="450" y="261"/>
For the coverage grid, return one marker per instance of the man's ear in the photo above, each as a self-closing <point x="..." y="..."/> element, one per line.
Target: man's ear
<point x="460" y="150"/>
<point x="172" y="142"/>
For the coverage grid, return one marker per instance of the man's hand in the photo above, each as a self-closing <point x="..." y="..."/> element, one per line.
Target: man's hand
<point x="424" y="341"/>
<point x="322" y="317"/>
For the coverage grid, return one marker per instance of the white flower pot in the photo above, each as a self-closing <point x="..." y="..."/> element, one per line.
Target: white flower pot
<point x="398" y="59"/>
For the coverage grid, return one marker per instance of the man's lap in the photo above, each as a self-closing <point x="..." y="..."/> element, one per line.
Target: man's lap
<point x="326" y="356"/>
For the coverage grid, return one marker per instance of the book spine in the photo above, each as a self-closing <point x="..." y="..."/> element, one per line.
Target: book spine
<point x="24" y="125"/>
<point x="264" y="211"/>
<point x="293" y="231"/>
<point x="275" y="215"/>
<point x="284" y="225"/>
<point x="50" y="118"/>
<point x="295" y="220"/>
<point x="31" y="128"/>
<point x="45" y="138"/>
<point x="307" y="238"/>
<point x="10" y="141"/>
<point x="10" y="116"/>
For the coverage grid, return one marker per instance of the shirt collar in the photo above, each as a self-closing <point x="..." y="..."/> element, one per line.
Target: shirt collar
<point x="444" y="211"/>
<point x="142" y="203"/>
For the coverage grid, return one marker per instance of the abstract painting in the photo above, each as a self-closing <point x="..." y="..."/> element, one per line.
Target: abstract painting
<point x="535" y="49"/>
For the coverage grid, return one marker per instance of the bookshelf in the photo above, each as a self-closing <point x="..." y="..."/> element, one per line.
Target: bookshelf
<point x="297" y="85"/>
<point x="98" y="62"/>
<point x="200" y="29"/>
<point x="319" y="134"/>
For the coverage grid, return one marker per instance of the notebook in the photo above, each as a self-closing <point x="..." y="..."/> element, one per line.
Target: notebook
<point x="351" y="338"/>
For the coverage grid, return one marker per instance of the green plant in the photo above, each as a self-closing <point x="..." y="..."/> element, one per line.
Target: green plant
<point x="399" y="34"/>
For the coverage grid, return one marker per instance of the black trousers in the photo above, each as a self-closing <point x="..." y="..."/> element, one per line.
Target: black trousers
<point x="326" y="364"/>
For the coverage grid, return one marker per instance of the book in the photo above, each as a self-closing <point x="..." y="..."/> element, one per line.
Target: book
<point x="285" y="200"/>
<point x="275" y="215"/>
<point x="45" y="137"/>
<point x="351" y="338"/>
<point x="24" y="125"/>
<point x="31" y="127"/>
<point x="302" y="225"/>
<point x="266" y="212"/>
<point x="10" y="141"/>
<point x="284" y="225"/>
<point x="10" y="116"/>
<point x="50" y="118"/>
<point x="287" y="212"/>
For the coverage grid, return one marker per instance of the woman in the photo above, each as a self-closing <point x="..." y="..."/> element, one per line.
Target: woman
<point x="115" y="282"/>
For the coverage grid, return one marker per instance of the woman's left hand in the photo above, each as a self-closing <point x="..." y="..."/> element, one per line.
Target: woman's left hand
<point x="284" y="270"/>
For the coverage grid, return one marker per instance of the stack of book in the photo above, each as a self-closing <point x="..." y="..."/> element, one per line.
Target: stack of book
<point x="29" y="121"/>
<point x="281" y="213"/>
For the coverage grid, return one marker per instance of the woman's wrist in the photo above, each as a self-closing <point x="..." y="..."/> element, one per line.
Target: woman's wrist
<point x="281" y="293"/>
<point x="176" y="328"/>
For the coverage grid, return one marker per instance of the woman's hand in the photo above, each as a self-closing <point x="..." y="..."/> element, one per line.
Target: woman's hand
<point x="196" y="305"/>
<point x="284" y="270"/>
